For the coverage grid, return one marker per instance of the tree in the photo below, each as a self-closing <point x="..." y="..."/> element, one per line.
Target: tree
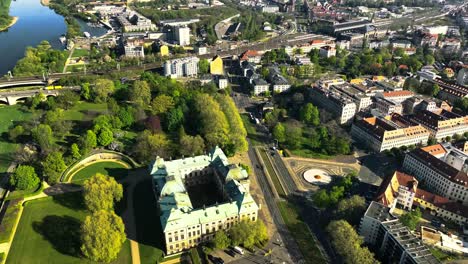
<point x="213" y="125"/>
<point x="248" y="233"/>
<point x="105" y="137"/>
<point x="279" y="132"/>
<point x="88" y="142"/>
<point x="15" y="133"/>
<point x="321" y="199"/>
<point x="149" y="145"/>
<point x="42" y="134"/>
<point x="161" y="104"/>
<point x="85" y="91"/>
<point x="431" y="141"/>
<point x="75" y="151"/>
<point x="191" y="145"/>
<point x="203" y="66"/>
<point x="294" y="136"/>
<point x="140" y="93"/>
<point x="53" y="166"/>
<point x="221" y="240"/>
<point x="351" y="209"/>
<point x="348" y="243"/>
<point x="237" y="132"/>
<point x="24" y="178"/>
<point x="102" y="89"/>
<point x="100" y="192"/>
<point x="125" y="115"/>
<point x="309" y="114"/>
<point x="411" y="219"/>
<point x="67" y="98"/>
<point x="102" y="236"/>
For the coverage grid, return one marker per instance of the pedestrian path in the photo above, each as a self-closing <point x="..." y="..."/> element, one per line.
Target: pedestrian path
<point x="135" y="252"/>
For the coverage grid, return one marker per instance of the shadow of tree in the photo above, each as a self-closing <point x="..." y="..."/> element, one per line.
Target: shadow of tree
<point x="63" y="232"/>
<point x="71" y="200"/>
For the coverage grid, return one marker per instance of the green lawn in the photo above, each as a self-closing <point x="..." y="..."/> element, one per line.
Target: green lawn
<point x="300" y="232"/>
<point x="80" y="53"/>
<point x="9" y="220"/>
<point x="109" y="168"/>
<point x="48" y="232"/>
<point x="85" y="111"/>
<point x="9" y="117"/>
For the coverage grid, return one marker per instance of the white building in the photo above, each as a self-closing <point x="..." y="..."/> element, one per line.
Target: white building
<point x="462" y="76"/>
<point x="442" y="123"/>
<point x="327" y="51"/>
<point x="438" y="175"/>
<point x="182" y="36"/>
<point x="340" y="104"/>
<point x="270" y="9"/>
<point x="260" y="86"/>
<point x="187" y="67"/>
<point x="390" y="132"/>
<point x="132" y="51"/>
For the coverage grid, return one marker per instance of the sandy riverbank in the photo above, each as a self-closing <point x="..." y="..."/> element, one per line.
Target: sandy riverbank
<point x="45" y="2"/>
<point x="13" y="21"/>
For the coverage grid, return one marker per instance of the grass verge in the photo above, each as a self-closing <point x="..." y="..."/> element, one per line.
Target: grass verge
<point x="272" y="173"/>
<point x="9" y="220"/>
<point x="252" y="133"/>
<point x="301" y="233"/>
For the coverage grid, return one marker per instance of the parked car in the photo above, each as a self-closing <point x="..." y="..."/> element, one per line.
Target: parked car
<point x="215" y="260"/>
<point x="239" y="250"/>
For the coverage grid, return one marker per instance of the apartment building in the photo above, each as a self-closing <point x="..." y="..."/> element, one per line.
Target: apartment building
<point x="393" y="131"/>
<point x="387" y="107"/>
<point x="442" y="123"/>
<point x="182" y="36"/>
<point x="438" y="176"/>
<point x="396" y="96"/>
<point x="398" y="189"/>
<point x="392" y="241"/>
<point x="278" y="81"/>
<point x="132" y="21"/>
<point x="133" y="51"/>
<point x="341" y="105"/>
<point x="327" y="51"/>
<point x="260" y="86"/>
<point x="188" y="219"/>
<point x="187" y="67"/>
<point x="360" y="98"/>
<point x="402" y="190"/>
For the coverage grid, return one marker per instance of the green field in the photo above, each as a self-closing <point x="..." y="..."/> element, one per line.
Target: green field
<point x="300" y="232"/>
<point x="85" y="111"/>
<point x="80" y="53"/>
<point x="9" y="117"/>
<point x="48" y="232"/>
<point x="108" y="168"/>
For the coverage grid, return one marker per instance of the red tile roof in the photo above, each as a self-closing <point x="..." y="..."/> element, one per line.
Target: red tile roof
<point x="249" y="53"/>
<point x="435" y="149"/>
<point x="442" y="202"/>
<point x="398" y="93"/>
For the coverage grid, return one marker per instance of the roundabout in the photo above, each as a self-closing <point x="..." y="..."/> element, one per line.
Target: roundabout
<point x="317" y="177"/>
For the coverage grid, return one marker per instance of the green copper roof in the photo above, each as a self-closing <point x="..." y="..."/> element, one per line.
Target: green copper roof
<point x="176" y="208"/>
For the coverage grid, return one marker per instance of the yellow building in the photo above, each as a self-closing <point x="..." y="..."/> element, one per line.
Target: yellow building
<point x="164" y="50"/>
<point x="216" y="66"/>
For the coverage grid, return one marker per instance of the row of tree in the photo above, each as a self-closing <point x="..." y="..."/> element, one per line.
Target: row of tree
<point x="246" y="233"/>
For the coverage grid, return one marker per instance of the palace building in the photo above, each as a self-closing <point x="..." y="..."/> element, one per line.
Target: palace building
<point x="198" y="196"/>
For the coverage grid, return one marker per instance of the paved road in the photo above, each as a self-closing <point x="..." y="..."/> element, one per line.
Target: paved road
<point x="290" y="246"/>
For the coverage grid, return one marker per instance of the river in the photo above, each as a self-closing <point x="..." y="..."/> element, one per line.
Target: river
<point x="35" y="24"/>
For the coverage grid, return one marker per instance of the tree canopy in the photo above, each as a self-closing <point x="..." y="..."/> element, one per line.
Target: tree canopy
<point x="102" y="236"/>
<point x="100" y="192"/>
<point x="348" y="243"/>
<point x="24" y="178"/>
<point x="53" y="166"/>
<point x="411" y="219"/>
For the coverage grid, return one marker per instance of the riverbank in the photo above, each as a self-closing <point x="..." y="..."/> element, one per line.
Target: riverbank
<point x="13" y="21"/>
<point x="45" y="2"/>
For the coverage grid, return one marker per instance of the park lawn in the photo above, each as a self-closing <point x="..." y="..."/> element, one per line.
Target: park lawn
<point x="80" y="53"/>
<point x="48" y="232"/>
<point x="301" y="233"/>
<point x="149" y="254"/>
<point x="85" y="111"/>
<point x="109" y="168"/>
<point x="9" y="117"/>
